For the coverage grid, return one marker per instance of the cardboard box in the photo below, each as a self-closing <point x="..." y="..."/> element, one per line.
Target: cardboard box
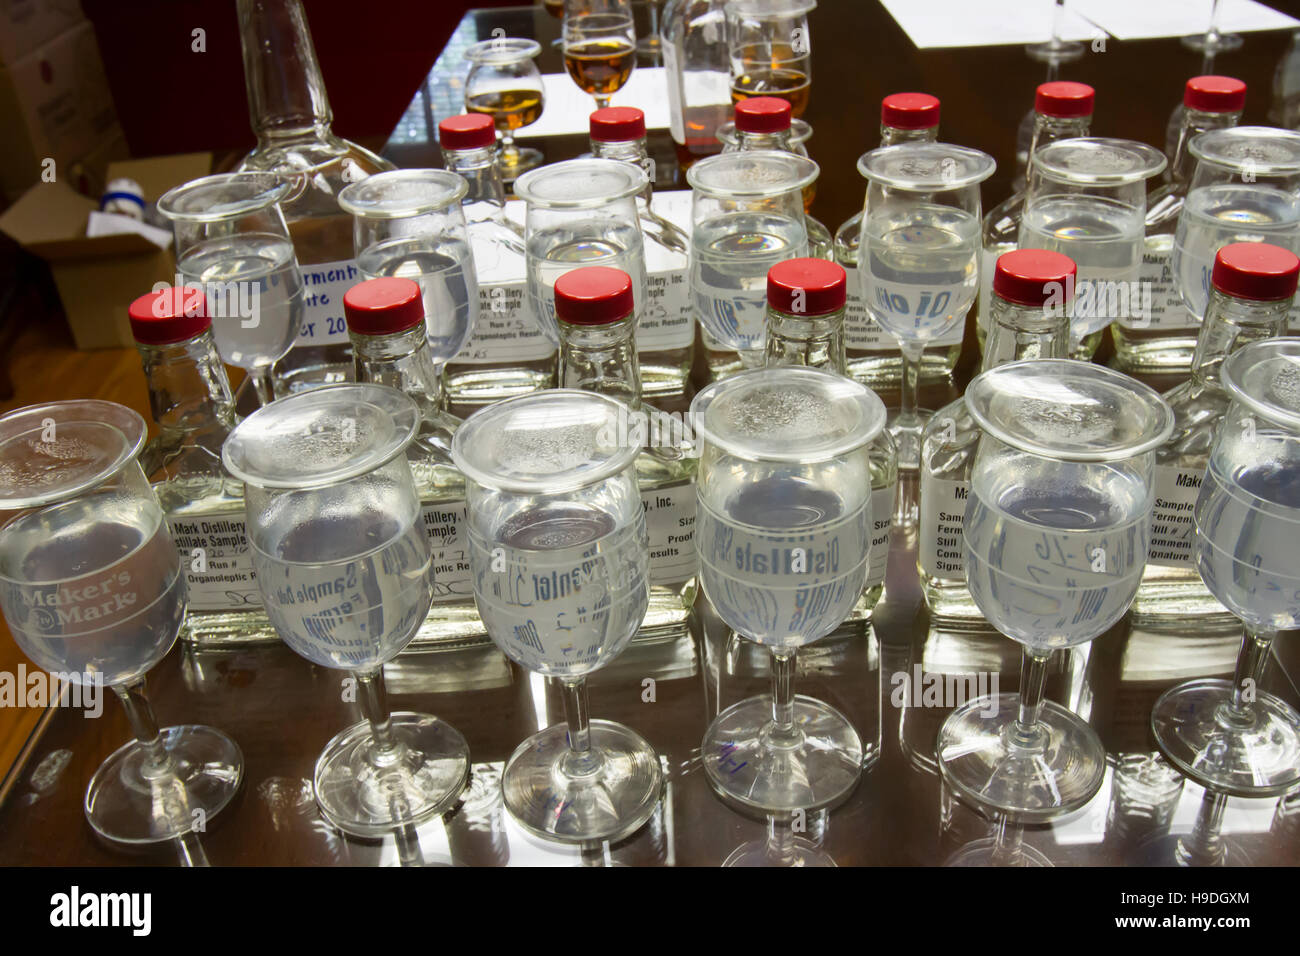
<point x="98" y="278"/>
<point x="55" y="105"/>
<point x="26" y="24"/>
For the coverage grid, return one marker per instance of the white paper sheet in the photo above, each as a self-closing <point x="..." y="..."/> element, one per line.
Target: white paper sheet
<point x="566" y="109"/>
<point x="953" y="23"/>
<point x="1130" y="20"/>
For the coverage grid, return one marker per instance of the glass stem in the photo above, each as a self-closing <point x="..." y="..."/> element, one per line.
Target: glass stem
<point x="1025" y="731"/>
<point x="911" y="374"/>
<point x="1251" y="661"/>
<point x="783" y="692"/>
<point x="1008" y="842"/>
<point x="262" y="385"/>
<point x="157" y="761"/>
<point x="1204" y="845"/>
<point x="581" y="759"/>
<point x="509" y="152"/>
<point x="601" y="101"/>
<point x="190" y="852"/>
<point x="373" y="699"/>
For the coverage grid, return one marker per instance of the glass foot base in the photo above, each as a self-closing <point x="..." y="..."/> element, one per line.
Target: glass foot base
<point x="1253" y="755"/>
<point x="125" y="807"/>
<point x="513" y="165"/>
<point x="368" y="795"/>
<point x="793" y="851"/>
<point x="749" y="766"/>
<point x="985" y="761"/>
<point x="986" y="853"/>
<point x="555" y="795"/>
<point x="1177" y="849"/>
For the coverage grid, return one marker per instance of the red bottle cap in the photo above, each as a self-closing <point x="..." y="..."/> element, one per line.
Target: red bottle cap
<point x="1255" y="270"/>
<point x="617" y="124"/>
<point x="467" y="131"/>
<point x="806" y="287"/>
<point x="383" y="306"/>
<point x="1215" y="94"/>
<point x="1064" y="99"/>
<point x="171" y="315"/>
<point x="910" y="111"/>
<point x="594" y="295"/>
<point x="1033" y="276"/>
<point x="762" y="114"/>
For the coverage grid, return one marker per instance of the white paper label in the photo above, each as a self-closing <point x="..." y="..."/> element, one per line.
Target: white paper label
<point x="882" y="522"/>
<point x="445" y="525"/>
<point x="1173" y="530"/>
<point x="323" y="287"/>
<point x="670" y="525"/>
<point x="1167" y="311"/>
<point x="939" y="534"/>
<point x="666" y="321"/>
<point x="506" y="330"/>
<point x="218" y="563"/>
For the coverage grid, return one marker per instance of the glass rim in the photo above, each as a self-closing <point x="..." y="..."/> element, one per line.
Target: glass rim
<point x="634" y="183"/>
<point x="271" y="189"/>
<point x="1236" y="371"/>
<point x="804" y="171"/>
<point x="800" y="132"/>
<point x="572" y="479"/>
<point x="503" y="50"/>
<point x="448" y="189"/>
<point x="979" y="166"/>
<point x="1147" y="161"/>
<point x="1209" y="147"/>
<point x="870" y="409"/>
<point x="983" y="388"/>
<point x="241" y="445"/>
<point x="125" y="423"/>
<point x="772" y="9"/>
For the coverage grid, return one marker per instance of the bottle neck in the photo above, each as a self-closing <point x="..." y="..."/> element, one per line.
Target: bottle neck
<point x="1049" y="129"/>
<point x="813" y="340"/>
<point x="894" y="135"/>
<point x="402" y="361"/>
<point x="1018" y="332"/>
<point x="601" y="359"/>
<point x="1194" y="122"/>
<point x="1231" y="323"/>
<point x="189" y="390"/>
<point x="629" y="151"/>
<point x="486" y="197"/>
<point x="286" y="92"/>
<point x="779" y="140"/>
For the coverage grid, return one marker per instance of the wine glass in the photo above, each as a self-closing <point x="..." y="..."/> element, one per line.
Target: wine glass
<point x="345" y="571"/>
<point x="1087" y="199"/>
<point x="918" y="257"/>
<point x="747" y="215"/>
<point x="1231" y="736"/>
<point x="1056" y="535"/>
<point x="1244" y="188"/>
<point x="92" y="588"/>
<point x="559" y="557"/>
<point x="505" y="84"/>
<point x="599" y="46"/>
<point x="783" y="530"/>
<point x="770" y="48"/>
<point x="232" y="242"/>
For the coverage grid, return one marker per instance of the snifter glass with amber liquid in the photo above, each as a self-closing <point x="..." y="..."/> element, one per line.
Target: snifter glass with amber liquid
<point x="770" y="50"/>
<point x="505" y="84"/>
<point x="599" y="46"/>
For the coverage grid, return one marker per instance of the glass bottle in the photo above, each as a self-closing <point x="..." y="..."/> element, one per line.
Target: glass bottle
<point x="1030" y="320"/>
<point x="507" y="353"/>
<point x="194" y="408"/>
<point x="698" y="68"/>
<point x="1063" y="110"/>
<point x="665" y="336"/>
<point x="386" y="324"/>
<point x="1249" y="298"/>
<point x="806" y="312"/>
<point x="595" y="310"/>
<point x="873" y="354"/>
<point x="1164" y="339"/>
<point x="291" y="116"/>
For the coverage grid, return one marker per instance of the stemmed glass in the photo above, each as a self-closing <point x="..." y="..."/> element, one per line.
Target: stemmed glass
<point x="505" y="84"/>
<point x="92" y="590"/>
<point x="1245" y="188"/>
<point x="1087" y="199"/>
<point x="747" y="215"/>
<point x="559" y="557"/>
<point x="410" y="223"/>
<point x="1055" y="51"/>
<point x="918" y="258"/>
<point x="1056" y="534"/>
<point x="599" y="46"/>
<point x="770" y="47"/>
<point x="1212" y="41"/>
<point x="345" y="571"/>
<point x="1231" y="736"/>
<point x="783" y="529"/>
<point x="233" y="243"/>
